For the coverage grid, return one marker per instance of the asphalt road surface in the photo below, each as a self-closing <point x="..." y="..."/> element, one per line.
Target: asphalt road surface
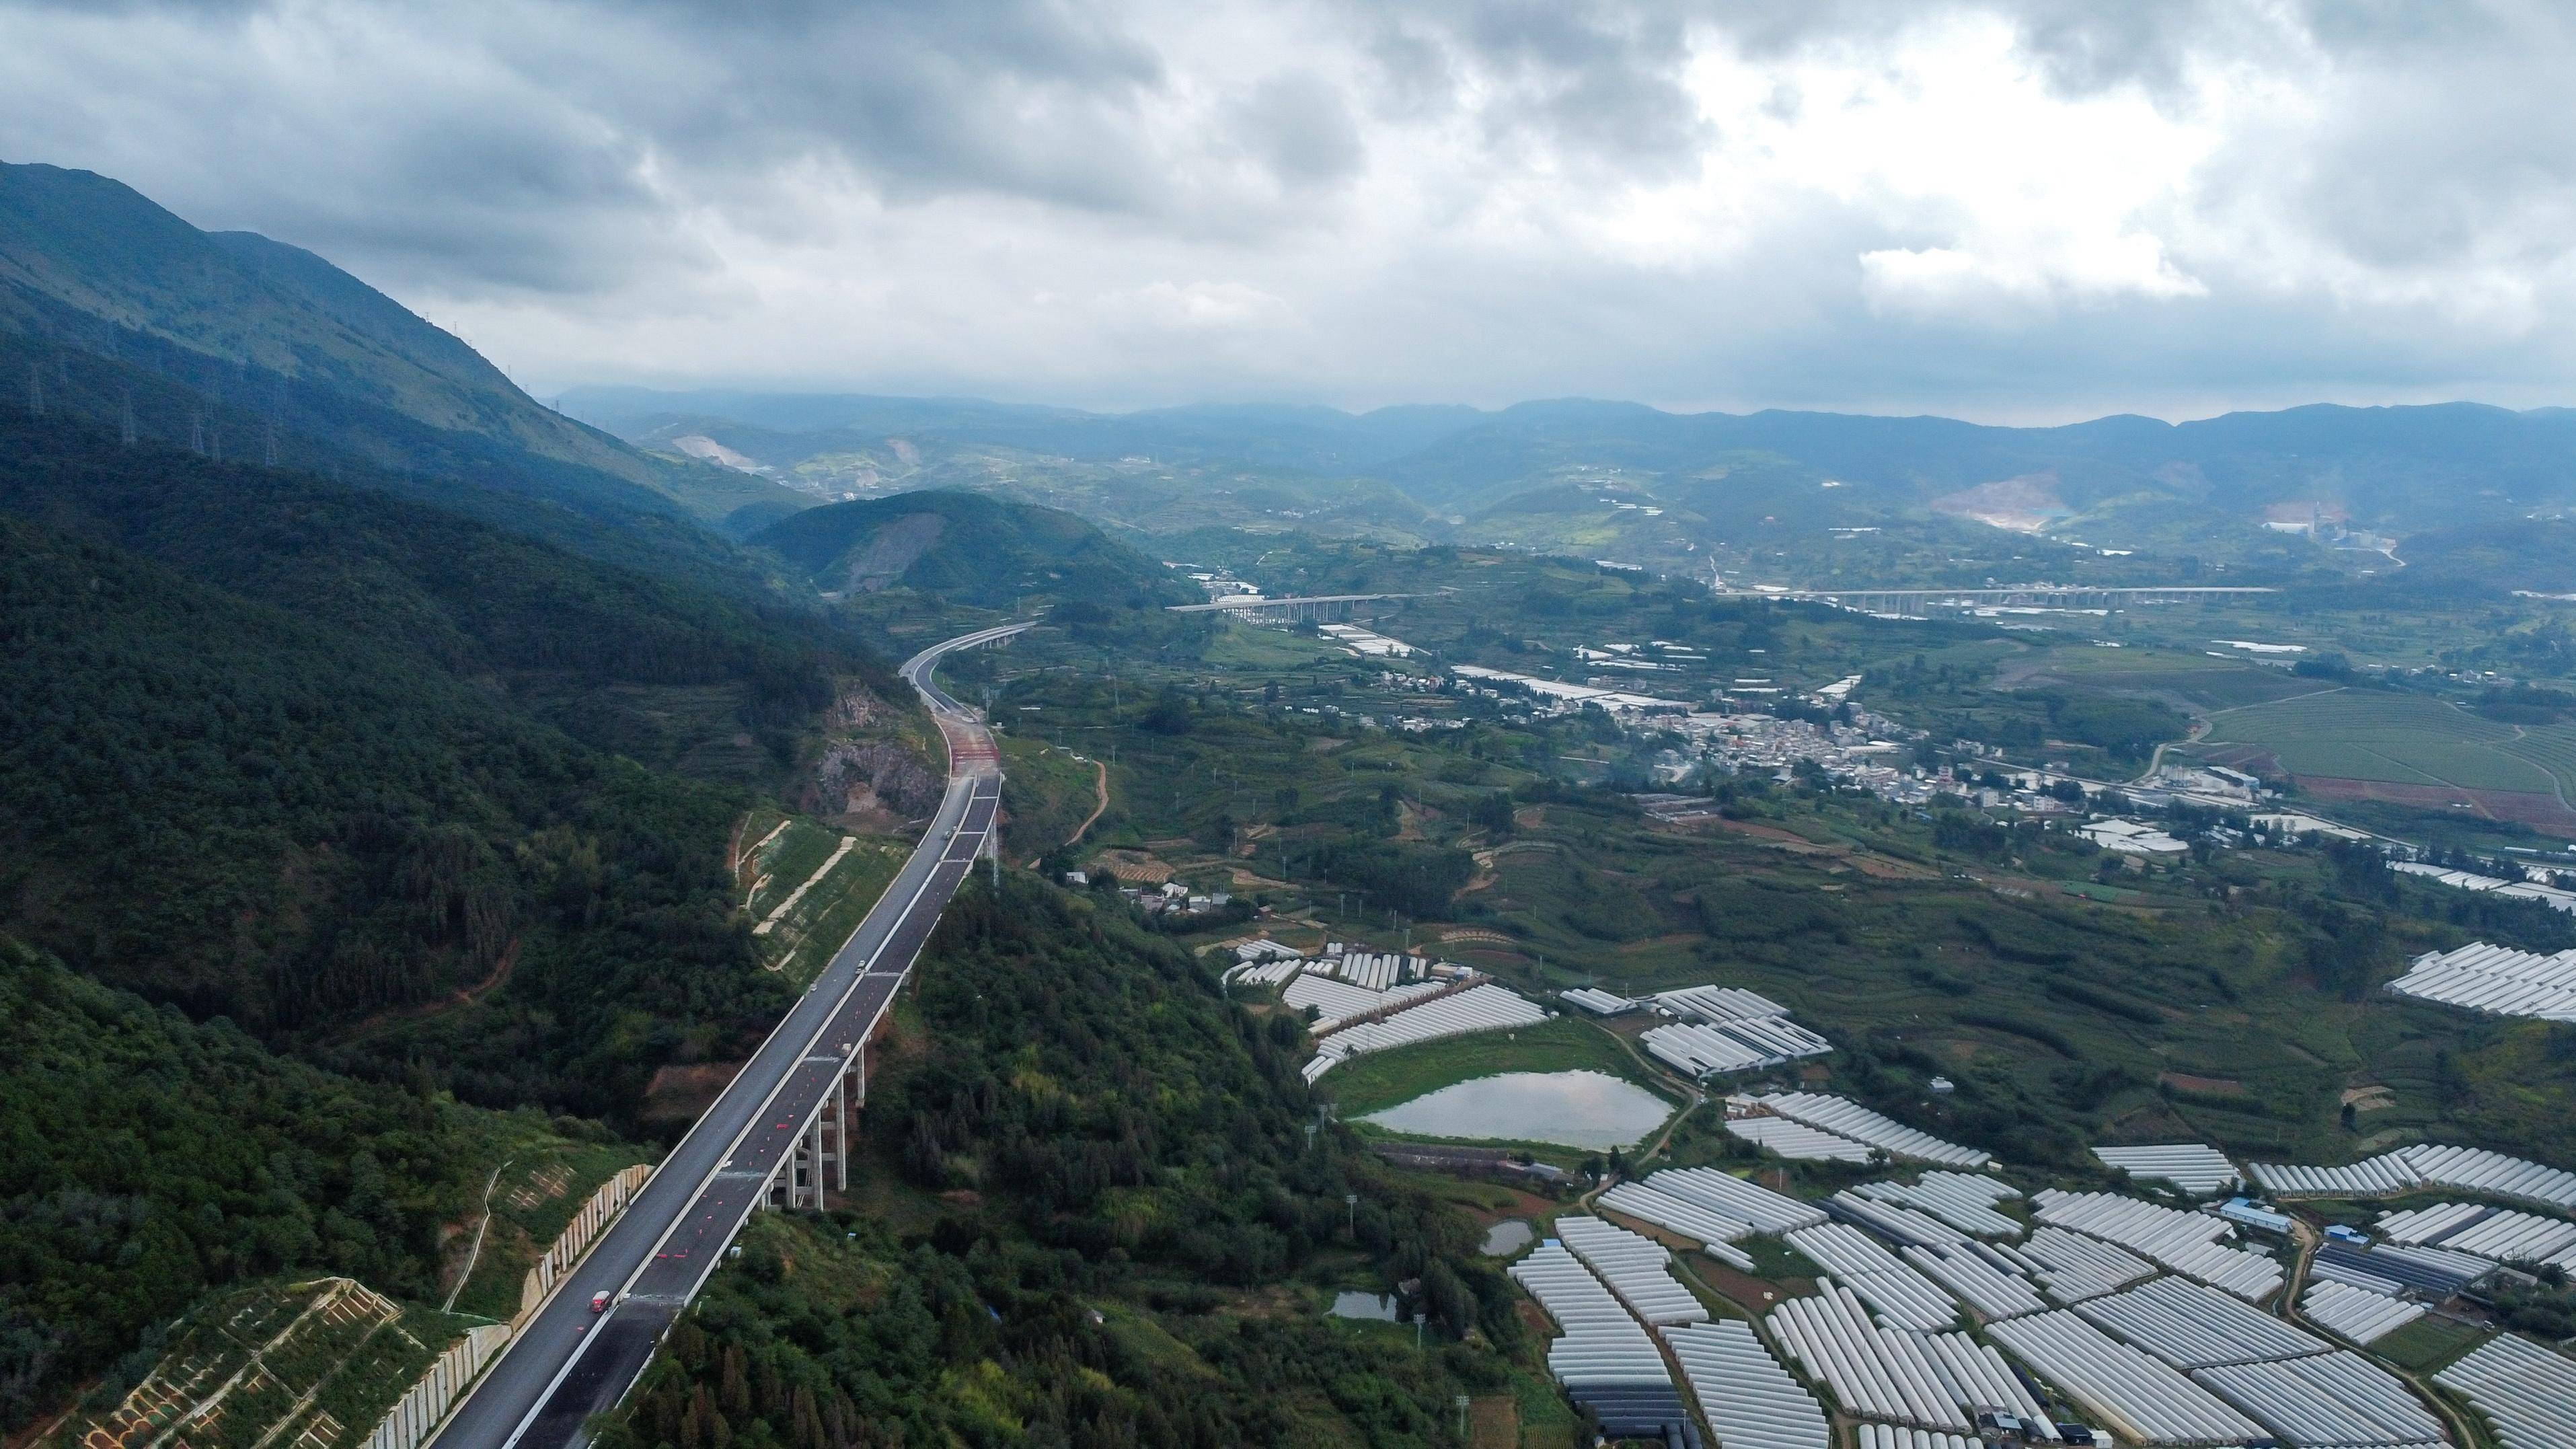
<point x="568" y="1363"/>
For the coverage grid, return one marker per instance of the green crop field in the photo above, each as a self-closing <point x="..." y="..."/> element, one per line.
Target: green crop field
<point x="2404" y="739"/>
<point x="2552" y="748"/>
<point x="2209" y="683"/>
<point x="1380" y="1080"/>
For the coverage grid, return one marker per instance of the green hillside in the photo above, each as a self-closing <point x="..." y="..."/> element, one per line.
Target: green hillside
<point x="88" y="264"/>
<point x="1093" y="1215"/>
<point x="150" y="1159"/>
<point x="2408" y="739"/>
<point x="319" y="760"/>
<point x="176" y="402"/>
<point x="970" y="549"/>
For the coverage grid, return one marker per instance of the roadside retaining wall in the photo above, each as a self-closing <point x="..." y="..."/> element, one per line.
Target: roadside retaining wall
<point x="596" y="1214"/>
<point x="421" y="1410"/>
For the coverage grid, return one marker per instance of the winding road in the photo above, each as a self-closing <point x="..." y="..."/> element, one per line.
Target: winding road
<point x="566" y="1363"/>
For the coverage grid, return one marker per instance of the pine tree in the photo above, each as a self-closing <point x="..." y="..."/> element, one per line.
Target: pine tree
<point x="809" y="1423"/>
<point x="734" y="1396"/>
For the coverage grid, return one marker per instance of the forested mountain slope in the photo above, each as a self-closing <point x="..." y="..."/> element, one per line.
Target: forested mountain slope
<point x="1125" y="1200"/>
<point x="971" y="548"/>
<point x="88" y="265"/>
<point x="150" y="1159"/>
<point x="304" y="755"/>
<point x="177" y="403"/>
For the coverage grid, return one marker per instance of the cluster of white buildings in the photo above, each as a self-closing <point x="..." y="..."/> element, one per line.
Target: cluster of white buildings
<point x="1370" y="1001"/>
<point x="2148" y="1319"/>
<point x="1838" y="1129"/>
<point x="1170" y="898"/>
<point x="1658" y="656"/>
<point x="2496" y="980"/>
<point x="1868" y="753"/>
<point x="2536" y="884"/>
<point x="1410" y="724"/>
<point x="1549" y="697"/>
<point x="1713" y="1030"/>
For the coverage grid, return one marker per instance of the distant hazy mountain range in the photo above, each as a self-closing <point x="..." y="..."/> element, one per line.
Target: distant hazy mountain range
<point x="242" y="347"/>
<point x="2334" y="471"/>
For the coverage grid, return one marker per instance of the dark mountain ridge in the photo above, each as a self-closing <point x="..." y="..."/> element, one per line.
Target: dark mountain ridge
<point x="87" y="264"/>
<point x="301" y="754"/>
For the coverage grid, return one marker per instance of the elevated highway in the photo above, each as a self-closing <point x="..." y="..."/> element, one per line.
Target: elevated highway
<point x="1280" y="610"/>
<point x="2054" y="596"/>
<point x="779" y="1129"/>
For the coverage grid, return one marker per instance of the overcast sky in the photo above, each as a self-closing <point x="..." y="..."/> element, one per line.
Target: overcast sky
<point x="2007" y="211"/>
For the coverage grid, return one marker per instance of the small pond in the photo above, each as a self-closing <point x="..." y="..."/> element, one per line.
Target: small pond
<point x="1507" y="1237"/>
<point x="1350" y="1303"/>
<point x="1571" y="1109"/>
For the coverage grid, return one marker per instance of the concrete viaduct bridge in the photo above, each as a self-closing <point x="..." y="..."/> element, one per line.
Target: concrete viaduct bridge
<point x="1285" y="610"/>
<point x="772" y="1138"/>
<point x="2051" y="596"/>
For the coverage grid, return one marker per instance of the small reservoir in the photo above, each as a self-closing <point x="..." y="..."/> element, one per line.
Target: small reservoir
<point x="1591" y="1110"/>
<point x="1350" y="1303"/>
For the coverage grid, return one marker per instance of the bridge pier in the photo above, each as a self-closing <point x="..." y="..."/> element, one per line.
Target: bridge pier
<point x="841" y="1133"/>
<point x="820" y="1157"/>
<point x="814" y="1163"/>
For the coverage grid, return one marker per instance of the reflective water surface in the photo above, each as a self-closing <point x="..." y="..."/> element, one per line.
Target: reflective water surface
<point x="1572" y="1109"/>
<point x="1350" y="1303"/>
<point x="1507" y="1237"/>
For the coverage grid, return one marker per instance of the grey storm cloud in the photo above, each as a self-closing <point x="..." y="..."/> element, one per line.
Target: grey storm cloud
<point x="2004" y="207"/>
<point x="1300" y="129"/>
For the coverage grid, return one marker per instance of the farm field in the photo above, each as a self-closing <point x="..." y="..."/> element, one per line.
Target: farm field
<point x="1379" y="1080"/>
<point x="2141" y="1014"/>
<point x="2401" y="739"/>
<point x="313" y="1364"/>
<point x="2195" y="679"/>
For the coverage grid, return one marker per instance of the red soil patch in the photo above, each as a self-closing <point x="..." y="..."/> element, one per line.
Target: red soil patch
<point x="2223" y="1086"/>
<point x="1885" y="869"/>
<point x="462" y="996"/>
<point x="2525" y="807"/>
<point x="1754" y="1293"/>
<point x="680" y="1094"/>
<point x="1760" y="831"/>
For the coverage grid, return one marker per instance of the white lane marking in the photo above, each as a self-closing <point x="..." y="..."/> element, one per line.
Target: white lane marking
<point x="974" y="795"/>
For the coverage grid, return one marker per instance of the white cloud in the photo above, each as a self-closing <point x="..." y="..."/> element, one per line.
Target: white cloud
<point x="2017" y="208"/>
<point x="1202" y="305"/>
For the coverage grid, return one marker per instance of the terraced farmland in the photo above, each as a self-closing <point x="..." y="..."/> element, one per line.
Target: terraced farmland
<point x="2552" y="748"/>
<point x="2402" y="739"/>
